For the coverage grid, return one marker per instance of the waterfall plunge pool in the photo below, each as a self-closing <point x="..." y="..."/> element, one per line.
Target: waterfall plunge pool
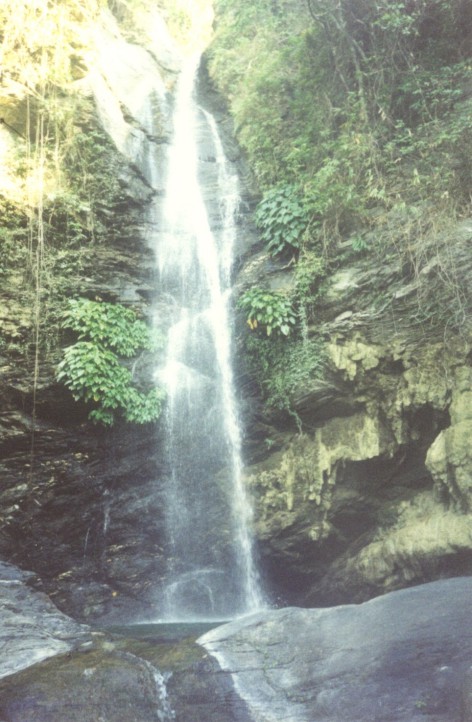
<point x="192" y="686"/>
<point x="163" y="632"/>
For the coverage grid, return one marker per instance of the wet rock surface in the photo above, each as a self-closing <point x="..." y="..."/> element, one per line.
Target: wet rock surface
<point x="116" y="687"/>
<point x="71" y="492"/>
<point x="73" y="520"/>
<point x="31" y="627"/>
<point x="53" y="669"/>
<point x="403" y="657"/>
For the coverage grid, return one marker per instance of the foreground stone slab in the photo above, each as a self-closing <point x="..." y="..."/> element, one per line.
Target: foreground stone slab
<point x="403" y="657"/>
<point x="31" y="627"/>
<point x="86" y="687"/>
<point x="53" y="669"/>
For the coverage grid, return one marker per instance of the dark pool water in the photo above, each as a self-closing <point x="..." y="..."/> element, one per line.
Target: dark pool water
<point x="164" y="632"/>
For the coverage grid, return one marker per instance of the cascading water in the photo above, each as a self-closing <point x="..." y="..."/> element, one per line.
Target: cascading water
<point x="211" y="567"/>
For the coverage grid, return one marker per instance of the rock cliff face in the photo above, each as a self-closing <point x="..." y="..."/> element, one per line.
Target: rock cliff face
<point x="80" y="505"/>
<point x="362" y="484"/>
<point x="372" y="491"/>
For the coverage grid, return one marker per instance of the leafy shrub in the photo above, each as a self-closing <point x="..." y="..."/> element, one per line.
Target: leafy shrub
<point x="354" y="102"/>
<point x="13" y="236"/>
<point x="91" y="367"/>
<point x="268" y="309"/>
<point x="283" y="367"/>
<point x="67" y="219"/>
<point x="282" y="219"/>
<point x="110" y="325"/>
<point x="309" y="272"/>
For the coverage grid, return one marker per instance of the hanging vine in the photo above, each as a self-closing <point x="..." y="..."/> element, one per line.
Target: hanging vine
<point x="40" y="44"/>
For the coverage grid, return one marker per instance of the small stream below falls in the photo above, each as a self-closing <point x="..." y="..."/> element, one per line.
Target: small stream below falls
<point x="191" y="686"/>
<point x="211" y="571"/>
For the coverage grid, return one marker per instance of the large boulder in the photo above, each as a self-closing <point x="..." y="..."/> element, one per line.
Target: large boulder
<point x="53" y="669"/>
<point x="31" y="627"/>
<point x="403" y="657"/>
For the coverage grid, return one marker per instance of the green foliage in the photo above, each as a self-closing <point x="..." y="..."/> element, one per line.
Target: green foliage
<point x="269" y="310"/>
<point x="283" y="367"/>
<point x="396" y="19"/>
<point x="352" y="110"/>
<point x="353" y="101"/>
<point x="310" y="270"/>
<point x="282" y="219"/>
<point x="110" y="325"/>
<point x="91" y="367"/>
<point x="359" y="244"/>
<point x="92" y="167"/>
<point x="13" y="236"/>
<point x="253" y="35"/>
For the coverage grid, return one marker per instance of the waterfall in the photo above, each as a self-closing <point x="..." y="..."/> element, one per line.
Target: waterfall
<point x="211" y="571"/>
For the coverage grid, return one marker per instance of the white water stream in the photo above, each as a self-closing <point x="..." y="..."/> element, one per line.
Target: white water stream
<point x="211" y="572"/>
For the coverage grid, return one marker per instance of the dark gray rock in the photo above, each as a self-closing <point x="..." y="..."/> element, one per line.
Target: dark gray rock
<point x="73" y="518"/>
<point x="403" y="657"/>
<point x="113" y="686"/>
<point x="53" y="669"/>
<point x="466" y="706"/>
<point x="31" y="627"/>
<point x="203" y="692"/>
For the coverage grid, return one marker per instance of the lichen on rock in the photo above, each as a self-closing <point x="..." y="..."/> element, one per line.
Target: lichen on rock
<point x="449" y="458"/>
